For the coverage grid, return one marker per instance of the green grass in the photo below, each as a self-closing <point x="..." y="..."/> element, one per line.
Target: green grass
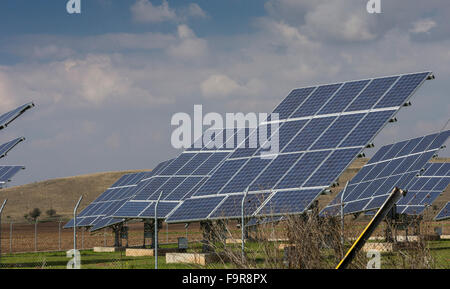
<point x="440" y="250"/>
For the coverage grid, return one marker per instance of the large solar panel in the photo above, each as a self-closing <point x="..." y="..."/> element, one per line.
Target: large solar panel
<point x="394" y="165"/>
<point x="109" y="201"/>
<point x="444" y="214"/>
<point x="10" y="116"/>
<point x="6" y="147"/>
<point x="180" y="179"/>
<point x="425" y="189"/>
<point x="321" y="131"/>
<point x="7" y="172"/>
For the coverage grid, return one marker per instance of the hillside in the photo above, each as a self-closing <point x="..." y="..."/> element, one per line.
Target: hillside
<point x="60" y="194"/>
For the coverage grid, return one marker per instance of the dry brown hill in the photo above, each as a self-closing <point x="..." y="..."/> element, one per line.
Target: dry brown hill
<point x="60" y="194"/>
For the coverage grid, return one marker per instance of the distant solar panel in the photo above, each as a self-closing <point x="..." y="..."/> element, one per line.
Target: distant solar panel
<point x="444" y="214"/>
<point x="394" y="165"/>
<point x="108" y="202"/>
<point x="321" y="131"/>
<point x="179" y="179"/>
<point x="425" y="189"/>
<point x="7" y="172"/>
<point x="10" y="116"/>
<point x="6" y="147"/>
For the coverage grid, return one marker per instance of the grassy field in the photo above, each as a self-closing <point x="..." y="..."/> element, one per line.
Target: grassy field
<point x="439" y="250"/>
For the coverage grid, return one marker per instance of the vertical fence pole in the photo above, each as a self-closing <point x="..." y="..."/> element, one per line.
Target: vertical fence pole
<point x="167" y="233"/>
<point x="59" y="235"/>
<point x="342" y="218"/>
<point x="104" y="237"/>
<point x="75" y="226"/>
<point x="82" y="239"/>
<point x="243" y="225"/>
<point x="10" y="237"/>
<point x="156" y="231"/>
<point x="35" y="235"/>
<point x="1" y="210"/>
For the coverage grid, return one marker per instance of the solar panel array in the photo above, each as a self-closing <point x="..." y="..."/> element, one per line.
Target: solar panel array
<point x="181" y="178"/>
<point x="425" y="189"/>
<point x="100" y="210"/>
<point x="444" y="213"/>
<point x="321" y="130"/>
<point x="394" y="165"/>
<point x="8" y="117"/>
<point x="6" y="147"/>
<point x="7" y="172"/>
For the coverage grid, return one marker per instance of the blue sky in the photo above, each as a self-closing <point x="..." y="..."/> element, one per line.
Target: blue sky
<point x="107" y="82"/>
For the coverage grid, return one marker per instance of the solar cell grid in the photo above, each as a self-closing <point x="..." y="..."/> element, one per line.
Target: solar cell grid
<point x="444" y="213"/>
<point x="10" y="116"/>
<point x="344" y="134"/>
<point x="392" y="167"/>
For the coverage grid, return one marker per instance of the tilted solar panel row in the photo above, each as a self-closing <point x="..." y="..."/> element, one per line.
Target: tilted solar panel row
<point x="444" y="214"/>
<point x="394" y="165"/>
<point x="7" y="172"/>
<point x="10" y="116"/>
<point x="317" y="142"/>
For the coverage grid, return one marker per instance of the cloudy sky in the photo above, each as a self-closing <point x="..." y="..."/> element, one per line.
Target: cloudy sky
<point x="107" y="82"/>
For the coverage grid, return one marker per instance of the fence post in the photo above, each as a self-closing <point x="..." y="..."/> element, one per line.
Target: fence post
<point x="10" y="237"/>
<point x="82" y="239"/>
<point x="167" y="233"/>
<point x="35" y="235"/>
<point x="1" y="210"/>
<point x="59" y="235"/>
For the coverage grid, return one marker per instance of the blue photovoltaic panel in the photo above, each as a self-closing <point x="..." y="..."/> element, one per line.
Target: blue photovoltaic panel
<point x="425" y="189"/>
<point x="317" y="141"/>
<point x="289" y="202"/>
<point x="6" y="147"/>
<point x="392" y="167"/>
<point x="100" y="210"/>
<point x="231" y="207"/>
<point x="197" y="208"/>
<point x="444" y="213"/>
<point x="10" y="116"/>
<point x="179" y="179"/>
<point x="292" y="101"/>
<point x="7" y="172"/>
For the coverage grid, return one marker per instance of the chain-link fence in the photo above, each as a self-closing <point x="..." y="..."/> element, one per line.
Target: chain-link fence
<point x="295" y="242"/>
<point x="44" y="244"/>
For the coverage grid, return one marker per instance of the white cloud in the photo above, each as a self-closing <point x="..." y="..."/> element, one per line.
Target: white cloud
<point x="194" y="10"/>
<point x="220" y="85"/>
<point x="423" y="26"/>
<point x="144" y="11"/>
<point x="7" y="99"/>
<point x="337" y="20"/>
<point x="113" y="141"/>
<point x="189" y="45"/>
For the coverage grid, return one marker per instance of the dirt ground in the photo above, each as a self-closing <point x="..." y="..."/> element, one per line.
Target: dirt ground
<point x="51" y="238"/>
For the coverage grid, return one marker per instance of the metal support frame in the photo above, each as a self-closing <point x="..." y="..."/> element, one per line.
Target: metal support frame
<point x="243" y="231"/>
<point x="75" y="226"/>
<point x="386" y="208"/>
<point x="156" y="230"/>
<point x="1" y="210"/>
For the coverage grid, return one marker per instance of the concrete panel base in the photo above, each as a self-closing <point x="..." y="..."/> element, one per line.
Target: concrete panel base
<point x="192" y="258"/>
<point x="108" y="249"/>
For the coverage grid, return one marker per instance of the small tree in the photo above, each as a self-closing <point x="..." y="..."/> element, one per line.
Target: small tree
<point x="35" y="213"/>
<point x="51" y="213"/>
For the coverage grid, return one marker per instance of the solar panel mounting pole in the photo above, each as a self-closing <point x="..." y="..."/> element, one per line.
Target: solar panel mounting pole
<point x="75" y="226"/>
<point x="1" y="210"/>
<point x="342" y="217"/>
<point x="243" y="225"/>
<point x="156" y="230"/>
